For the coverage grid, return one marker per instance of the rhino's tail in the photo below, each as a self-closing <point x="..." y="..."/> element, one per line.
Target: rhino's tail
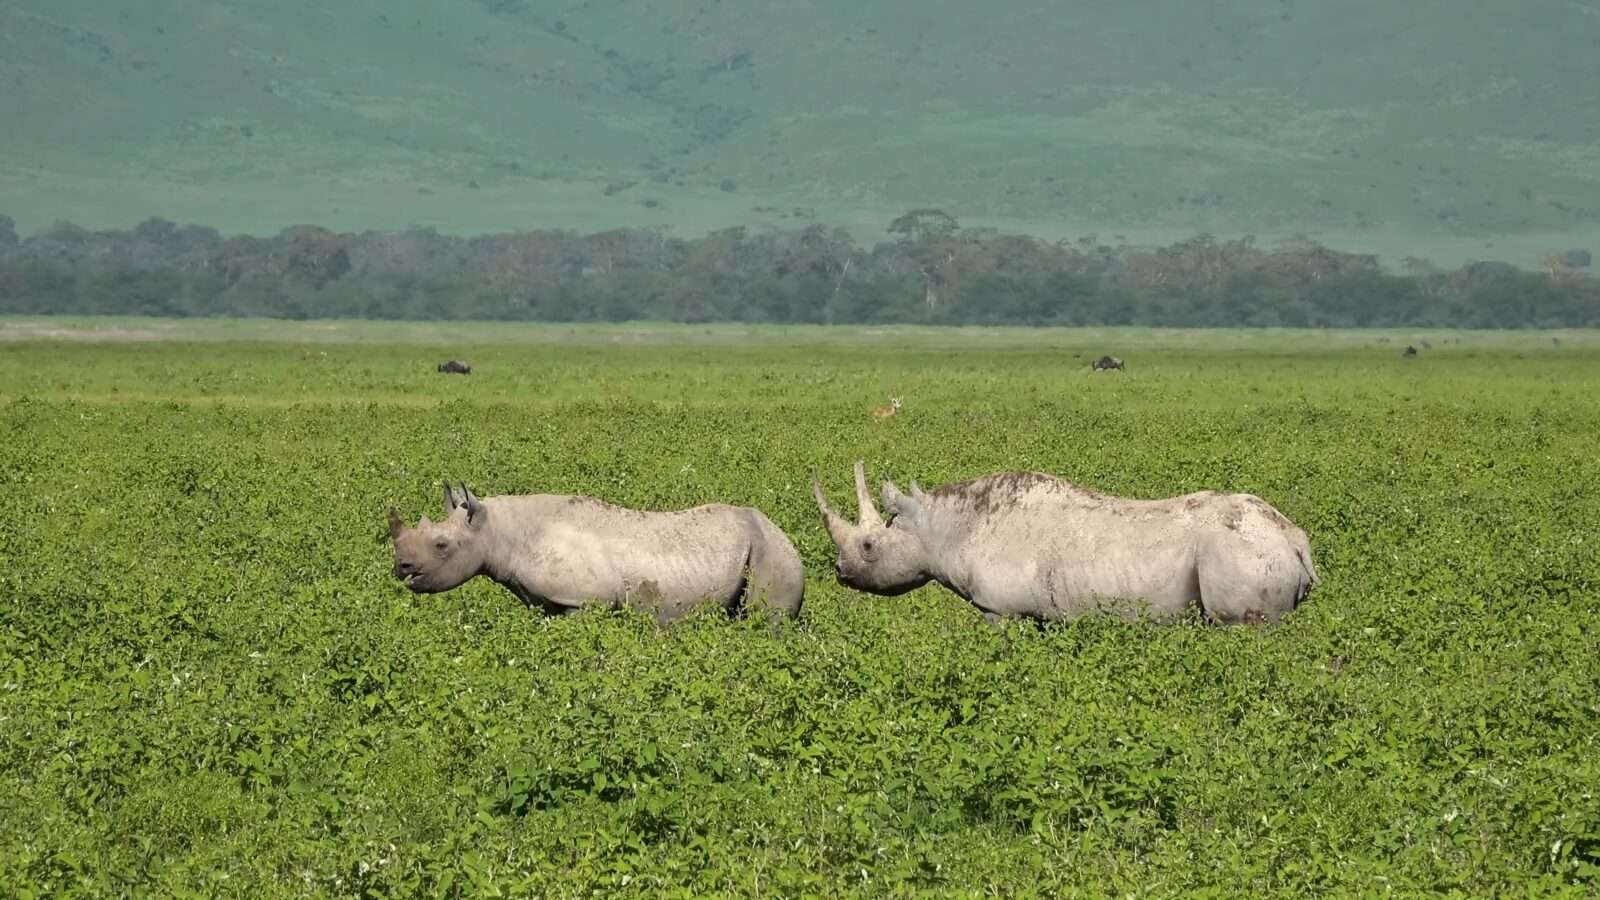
<point x="1302" y="552"/>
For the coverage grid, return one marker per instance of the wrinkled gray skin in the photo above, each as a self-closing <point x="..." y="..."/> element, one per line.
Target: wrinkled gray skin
<point x="1027" y="544"/>
<point x="561" y="552"/>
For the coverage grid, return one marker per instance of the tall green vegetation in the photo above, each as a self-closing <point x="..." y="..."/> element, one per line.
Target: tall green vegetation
<point x="211" y="685"/>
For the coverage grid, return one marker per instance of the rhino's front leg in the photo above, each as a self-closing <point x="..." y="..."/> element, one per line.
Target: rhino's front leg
<point x="537" y="601"/>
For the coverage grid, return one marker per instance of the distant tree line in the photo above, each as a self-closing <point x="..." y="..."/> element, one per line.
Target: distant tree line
<point x="931" y="270"/>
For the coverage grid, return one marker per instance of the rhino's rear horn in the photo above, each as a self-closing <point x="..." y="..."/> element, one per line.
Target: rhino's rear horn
<point x="869" y="513"/>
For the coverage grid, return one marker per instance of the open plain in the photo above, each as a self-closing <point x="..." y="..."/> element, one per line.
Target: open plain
<point x="212" y="685"/>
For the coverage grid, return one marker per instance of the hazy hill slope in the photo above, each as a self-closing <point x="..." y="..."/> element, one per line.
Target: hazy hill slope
<point x="1360" y="121"/>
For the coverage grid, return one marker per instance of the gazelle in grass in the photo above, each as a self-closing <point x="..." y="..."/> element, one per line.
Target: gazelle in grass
<point x="888" y="409"/>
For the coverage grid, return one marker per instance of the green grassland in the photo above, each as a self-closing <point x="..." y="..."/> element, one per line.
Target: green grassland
<point x="210" y="685"/>
<point x="1423" y="128"/>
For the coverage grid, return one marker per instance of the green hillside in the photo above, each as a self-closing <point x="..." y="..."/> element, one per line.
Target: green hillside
<point x="1424" y="127"/>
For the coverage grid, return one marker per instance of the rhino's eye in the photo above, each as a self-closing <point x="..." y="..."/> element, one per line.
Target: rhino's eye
<point x="866" y="546"/>
<point x="441" y="544"/>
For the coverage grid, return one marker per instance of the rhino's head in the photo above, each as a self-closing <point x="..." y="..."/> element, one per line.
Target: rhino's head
<point x="874" y="556"/>
<point x="438" y="556"/>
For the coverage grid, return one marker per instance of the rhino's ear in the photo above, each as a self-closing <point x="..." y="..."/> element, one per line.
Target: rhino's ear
<point x="450" y="500"/>
<point x="475" y="511"/>
<point x="395" y="525"/>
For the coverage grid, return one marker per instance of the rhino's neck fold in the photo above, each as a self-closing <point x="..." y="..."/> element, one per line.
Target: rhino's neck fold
<point x="945" y="531"/>
<point x="499" y="551"/>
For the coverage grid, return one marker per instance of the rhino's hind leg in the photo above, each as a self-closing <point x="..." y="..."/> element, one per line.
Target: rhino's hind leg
<point x="775" y="579"/>
<point x="1248" y="582"/>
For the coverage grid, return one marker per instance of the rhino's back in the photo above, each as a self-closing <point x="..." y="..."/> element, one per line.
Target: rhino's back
<point x="1144" y="523"/>
<point x="1040" y="500"/>
<point x="570" y="549"/>
<point x="699" y="528"/>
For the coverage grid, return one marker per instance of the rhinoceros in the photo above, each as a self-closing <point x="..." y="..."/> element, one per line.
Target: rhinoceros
<point x="1108" y="363"/>
<point x="560" y="552"/>
<point x="455" y="367"/>
<point x="1028" y="544"/>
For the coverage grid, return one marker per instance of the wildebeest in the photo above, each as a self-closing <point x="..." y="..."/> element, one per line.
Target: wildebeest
<point x="1107" y="362"/>
<point x="1409" y="351"/>
<point x="1033" y="545"/>
<point x="561" y="552"/>
<point x="455" y="366"/>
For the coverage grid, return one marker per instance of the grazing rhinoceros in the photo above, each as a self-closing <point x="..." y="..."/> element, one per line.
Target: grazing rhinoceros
<point x="1108" y="362"/>
<point x="560" y="552"/>
<point x="455" y="367"/>
<point x="1030" y="544"/>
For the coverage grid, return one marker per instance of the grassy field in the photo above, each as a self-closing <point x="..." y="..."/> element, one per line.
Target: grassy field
<point x="210" y="685"/>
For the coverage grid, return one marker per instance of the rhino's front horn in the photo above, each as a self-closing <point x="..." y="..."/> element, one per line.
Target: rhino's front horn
<point x="838" y="528"/>
<point x="869" y="513"/>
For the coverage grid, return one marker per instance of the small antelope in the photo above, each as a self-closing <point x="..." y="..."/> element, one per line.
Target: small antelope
<point x="884" y="412"/>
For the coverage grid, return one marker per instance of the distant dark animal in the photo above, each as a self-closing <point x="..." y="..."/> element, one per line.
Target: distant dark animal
<point x="1410" y="351"/>
<point x="455" y="366"/>
<point x="1107" y="362"/>
<point x="1556" y="341"/>
<point x="1427" y="346"/>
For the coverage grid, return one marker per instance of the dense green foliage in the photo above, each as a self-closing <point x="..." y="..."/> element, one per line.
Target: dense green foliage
<point x="934" y="272"/>
<point x="213" y="687"/>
